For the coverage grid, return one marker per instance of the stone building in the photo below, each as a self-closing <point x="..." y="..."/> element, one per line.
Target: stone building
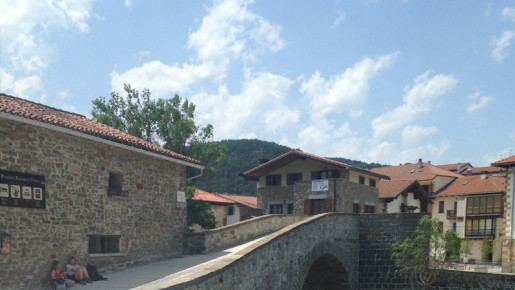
<point x="72" y="186"/>
<point x="508" y="227"/>
<point x="302" y="183"/>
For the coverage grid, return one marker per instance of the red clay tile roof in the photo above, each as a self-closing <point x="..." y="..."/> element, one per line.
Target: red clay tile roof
<point x="410" y="171"/>
<point x="392" y="188"/>
<point x="250" y="201"/>
<point x="296" y="154"/>
<point x="454" y="166"/>
<point x="52" y="116"/>
<point x="488" y="169"/>
<point x="211" y="197"/>
<point x="474" y="185"/>
<point x="506" y="161"/>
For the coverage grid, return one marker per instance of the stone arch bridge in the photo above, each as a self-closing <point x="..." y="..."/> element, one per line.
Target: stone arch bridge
<point x="328" y="251"/>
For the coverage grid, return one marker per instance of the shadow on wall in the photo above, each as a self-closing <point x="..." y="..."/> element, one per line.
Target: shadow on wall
<point x="327" y="272"/>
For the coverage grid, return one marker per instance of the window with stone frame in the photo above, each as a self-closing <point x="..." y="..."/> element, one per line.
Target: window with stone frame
<point x="103" y="244"/>
<point x="116" y="184"/>
<point x="273" y="180"/>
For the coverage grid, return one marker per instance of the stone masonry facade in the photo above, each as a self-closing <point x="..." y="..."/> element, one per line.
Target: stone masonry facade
<point x="149" y="222"/>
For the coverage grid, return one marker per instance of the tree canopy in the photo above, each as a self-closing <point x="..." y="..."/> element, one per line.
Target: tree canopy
<point x="169" y="123"/>
<point x="429" y="251"/>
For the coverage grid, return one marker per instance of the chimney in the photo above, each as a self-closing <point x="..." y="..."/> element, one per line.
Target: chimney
<point x="469" y="172"/>
<point x="484" y="175"/>
<point x="420" y="165"/>
<point x="428" y="162"/>
<point x="459" y="167"/>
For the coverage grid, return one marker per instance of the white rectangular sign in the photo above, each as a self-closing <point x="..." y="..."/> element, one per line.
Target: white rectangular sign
<point x="181" y="196"/>
<point x="320" y="185"/>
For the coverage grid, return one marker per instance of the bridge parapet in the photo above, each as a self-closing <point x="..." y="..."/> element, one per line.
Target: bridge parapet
<point x="281" y="260"/>
<point x="219" y="238"/>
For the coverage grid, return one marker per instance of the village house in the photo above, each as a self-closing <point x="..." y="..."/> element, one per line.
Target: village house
<point x="508" y="228"/>
<point x="301" y="183"/>
<point x="469" y="203"/>
<point x="228" y="208"/>
<point x="403" y="195"/>
<point x="72" y="186"/>
<point x="473" y="207"/>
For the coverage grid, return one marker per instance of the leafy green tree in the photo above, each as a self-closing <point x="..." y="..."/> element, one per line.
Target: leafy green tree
<point x="423" y="256"/>
<point x="199" y="212"/>
<point x="487" y="247"/>
<point x="169" y="123"/>
<point x="466" y="246"/>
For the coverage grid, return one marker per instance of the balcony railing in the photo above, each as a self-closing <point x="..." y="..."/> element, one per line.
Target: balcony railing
<point x="480" y="233"/>
<point x="451" y="214"/>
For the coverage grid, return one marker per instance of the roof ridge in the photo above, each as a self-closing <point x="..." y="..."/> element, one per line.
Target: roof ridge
<point x="43" y="105"/>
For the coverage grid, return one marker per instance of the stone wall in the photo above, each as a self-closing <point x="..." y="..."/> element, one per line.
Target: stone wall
<point x="219" y="238"/>
<point x="377" y="233"/>
<point x="274" y="193"/>
<point x="280" y="260"/>
<point x="149" y="222"/>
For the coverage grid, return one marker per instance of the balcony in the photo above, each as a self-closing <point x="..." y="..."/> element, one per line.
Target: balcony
<point x="483" y="233"/>
<point x="451" y="214"/>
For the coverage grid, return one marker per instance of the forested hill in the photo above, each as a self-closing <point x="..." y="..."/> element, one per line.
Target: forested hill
<point x="243" y="155"/>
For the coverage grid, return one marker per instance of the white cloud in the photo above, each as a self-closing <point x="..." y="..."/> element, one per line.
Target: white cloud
<point x="63" y="94"/>
<point x="259" y="107"/>
<point x="490" y="158"/>
<point x="227" y="29"/>
<point x="162" y="79"/>
<point x="346" y="92"/>
<point x="419" y="99"/>
<point x="500" y="44"/>
<point x="27" y="52"/>
<point x="128" y="3"/>
<point x="223" y="37"/>
<point x="389" y="153"/>
<point x="478" y="102"/>
<point x="30" y="87"/>
<point x="414" y="135"/>
<point x="339" y="19"/>
<point x="509" y="13"/>
<point x="69" y="108"/>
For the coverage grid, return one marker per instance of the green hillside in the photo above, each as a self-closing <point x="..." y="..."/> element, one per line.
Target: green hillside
<point x="243" y="155"/>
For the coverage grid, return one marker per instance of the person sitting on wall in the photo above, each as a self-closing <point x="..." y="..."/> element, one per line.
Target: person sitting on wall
<point x="55" y="276"/>
<point x="76" y="272"/>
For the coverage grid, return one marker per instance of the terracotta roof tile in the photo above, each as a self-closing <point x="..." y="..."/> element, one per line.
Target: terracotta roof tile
<point x="506" y="161"/>
<point x="488" y="169"/>
<point x="474" y="185"/>
<point x="411" y="171"/>
<point x="392" y="188"/>
<point x="211" y="197"/>
<point x="250" y="201"/>
<point x="52" y="116"/>
<point x="454" y="166"/>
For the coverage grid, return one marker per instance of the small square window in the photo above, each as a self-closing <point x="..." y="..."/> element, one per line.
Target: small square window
<point x="116" y="184"/>
<point x="103" y="244"/>
<point x="361" y="179"/>
<point x="372" y="182"/>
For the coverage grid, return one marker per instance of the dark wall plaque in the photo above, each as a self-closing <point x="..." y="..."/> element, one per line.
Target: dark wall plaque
<point x="22" y="189"/>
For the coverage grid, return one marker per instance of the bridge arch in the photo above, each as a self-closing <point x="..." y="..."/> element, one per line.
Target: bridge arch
<point x="329" y="265"/>
<point x="327" y="272"/>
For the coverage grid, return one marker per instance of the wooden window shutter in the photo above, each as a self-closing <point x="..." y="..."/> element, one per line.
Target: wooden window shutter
<point x="307" y="206"/>
<point x="328" y="205"/>
<point x="336" y="173"/>
<point x="314" y="175"/>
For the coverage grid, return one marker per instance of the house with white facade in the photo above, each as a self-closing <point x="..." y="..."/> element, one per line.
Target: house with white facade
<point x="473" y="207"/>
<point x="403" y="195"/>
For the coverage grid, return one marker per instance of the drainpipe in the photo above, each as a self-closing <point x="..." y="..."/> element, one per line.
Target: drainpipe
<point x="196" y="176"/>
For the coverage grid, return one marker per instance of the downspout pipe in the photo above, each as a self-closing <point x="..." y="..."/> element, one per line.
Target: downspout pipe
<point x="196" y="176"/>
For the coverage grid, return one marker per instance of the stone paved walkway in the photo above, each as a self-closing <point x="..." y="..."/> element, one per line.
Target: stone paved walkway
<point x="138" y="275"/>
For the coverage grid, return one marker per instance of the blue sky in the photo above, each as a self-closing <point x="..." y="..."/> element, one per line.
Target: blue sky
<point x="378" y="81"/>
